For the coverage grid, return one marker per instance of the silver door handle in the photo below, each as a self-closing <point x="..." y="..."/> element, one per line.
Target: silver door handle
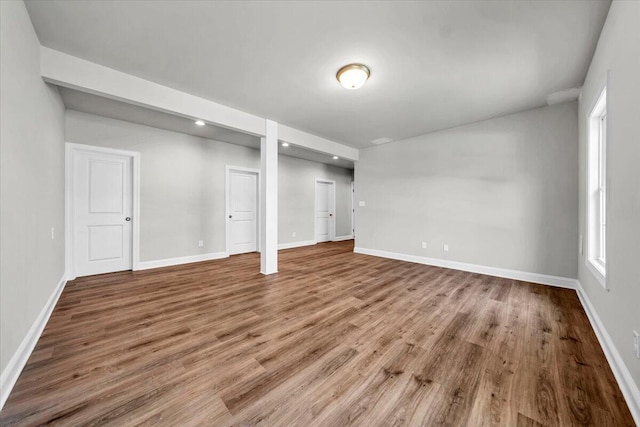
<point x="127" y="218"/>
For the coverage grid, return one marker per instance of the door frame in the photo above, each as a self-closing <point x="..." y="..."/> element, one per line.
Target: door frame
<point x="332" y="207"/>
<point x="70" y="149"/>
<point x="227" y="170"/>
<point x="353" y="210"/>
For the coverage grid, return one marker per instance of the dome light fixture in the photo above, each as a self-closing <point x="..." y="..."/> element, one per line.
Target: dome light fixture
<point x="335" y="157"/>
<point x="285" y="144"/>
<point x="353" y="76"/>
<point x="199" y="123"/>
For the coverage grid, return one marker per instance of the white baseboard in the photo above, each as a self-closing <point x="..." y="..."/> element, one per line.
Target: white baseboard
<point x="627" y="385"/>
<point x="296" y="244"/>
<point x="146" y="265"/>
<point x="341" y="238"/>
<point x="19" y="359"/>
<point x="525" y="276"/>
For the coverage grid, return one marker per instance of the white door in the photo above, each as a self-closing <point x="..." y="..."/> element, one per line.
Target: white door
<point x="242" y="212"/>
<point x="102" y="197"/>
<point x="325" y="220"/>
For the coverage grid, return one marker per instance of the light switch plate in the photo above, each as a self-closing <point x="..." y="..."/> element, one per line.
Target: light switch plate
<point x="361" y="203"/>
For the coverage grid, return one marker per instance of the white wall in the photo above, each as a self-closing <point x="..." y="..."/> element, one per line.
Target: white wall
<point x="618" y="51"/>
<point x="183" y="184"/>
<point x="501" y="193"/>
<point x="31" y="181"/>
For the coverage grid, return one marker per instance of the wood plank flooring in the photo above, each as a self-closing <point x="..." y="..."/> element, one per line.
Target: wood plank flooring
<point x="335" y="338"/>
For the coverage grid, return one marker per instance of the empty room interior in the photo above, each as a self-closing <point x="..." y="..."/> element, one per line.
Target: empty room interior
<point x="320" y="213"/>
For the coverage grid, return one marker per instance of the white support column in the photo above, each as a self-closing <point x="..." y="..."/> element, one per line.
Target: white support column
<point x="269" y="199"/>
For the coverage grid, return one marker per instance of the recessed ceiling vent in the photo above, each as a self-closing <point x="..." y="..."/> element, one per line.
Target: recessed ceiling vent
<point x="383" y="140"/>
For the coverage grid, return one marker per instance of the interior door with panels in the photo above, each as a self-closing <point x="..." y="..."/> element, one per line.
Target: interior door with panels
<point x="102" y="211"/>
<point x="324" y="215"/>
<point x="242" y="211"/>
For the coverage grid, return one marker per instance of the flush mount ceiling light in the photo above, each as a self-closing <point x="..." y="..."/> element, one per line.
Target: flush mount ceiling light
<point x="335" y="157"/>
<point x="285" y="144"/>
<point x="353" y="76"/>
<point x="199" y="123"/>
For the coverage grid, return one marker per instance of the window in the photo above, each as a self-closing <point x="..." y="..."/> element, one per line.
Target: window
<point x="597" y="188"/>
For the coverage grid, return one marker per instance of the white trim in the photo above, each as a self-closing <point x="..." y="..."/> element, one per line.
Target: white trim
<point x="19" y="359"/>
<point x="341" y="238"/>
<point x="596" y="272"/>
<point x="599" y="104"/>
<point x="291" y="245"/>
<point x="332" y="208"/>
<point x="167" y="262"/>
<point x="227" y="169"/>
<point x="135" y="243"/>
<point x="70" y="148"/>
<point x="525" y="276"/>
<point x="353" y="209"/>
<point x="625" y="381"/>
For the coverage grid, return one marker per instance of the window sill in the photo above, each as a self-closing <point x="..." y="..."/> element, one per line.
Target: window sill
<point x="598" y="272"/>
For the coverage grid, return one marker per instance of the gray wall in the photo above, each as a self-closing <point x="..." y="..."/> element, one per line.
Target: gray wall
<point x="296" y="198"/>
<point x="500" y="193"/>
<point x="183" y="184"/>
<point x="618" y="51"/>
<point x="31" y="181"/>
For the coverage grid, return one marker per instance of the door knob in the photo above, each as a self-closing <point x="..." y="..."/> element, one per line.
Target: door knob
<point x="127" y="218"/>
<point x="330" y="214"/>
<point x="230" y="216"/>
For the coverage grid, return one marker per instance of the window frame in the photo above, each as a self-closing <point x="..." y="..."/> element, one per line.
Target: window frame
<point x="598" y="134"/>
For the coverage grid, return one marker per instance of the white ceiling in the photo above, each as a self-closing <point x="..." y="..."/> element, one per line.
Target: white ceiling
<point x="93" y="104"/>
<point x="434" y="64"/>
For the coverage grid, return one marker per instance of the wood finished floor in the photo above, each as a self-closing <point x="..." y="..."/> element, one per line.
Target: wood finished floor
<point x="335" y="338"/>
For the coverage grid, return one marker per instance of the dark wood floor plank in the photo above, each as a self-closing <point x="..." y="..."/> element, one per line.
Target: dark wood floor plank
<point x="334" y="338"/>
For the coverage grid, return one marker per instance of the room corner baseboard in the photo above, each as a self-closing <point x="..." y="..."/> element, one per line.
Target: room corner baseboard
<point x="146" y="265"/>
<point x="296" y="244"/>
<point x="625" y="381"/>
<point x="19" y="359"/>
<point x="525" y="276"/>
<point x="341" y="238"/>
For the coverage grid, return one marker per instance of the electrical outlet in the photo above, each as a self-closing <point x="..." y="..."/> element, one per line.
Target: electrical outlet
<point x="445" y="247"/>
<point x="293" y="234"/>
<point x="424" y="245"/>
<point x="636" y="344"/>
<point x="201" y="243"/>
<point x="53" y="233"/>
